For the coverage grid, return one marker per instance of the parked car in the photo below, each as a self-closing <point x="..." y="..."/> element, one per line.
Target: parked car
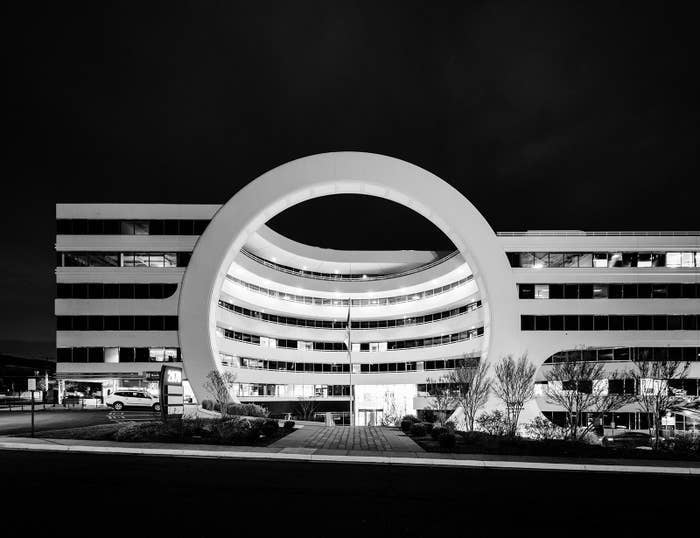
<point x="627" y="439"/>
<point x="132" y="398"/>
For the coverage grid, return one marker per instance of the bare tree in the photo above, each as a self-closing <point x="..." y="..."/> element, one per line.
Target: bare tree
<point x="514" y="385"/>
<point x="442" y="395"/>
<point x="583" y="387"/>
<point x="219" y="385"/>
<point x="307" y="408"/>
<point x="654" y="394"/>
<point x="472" y="386"/>
<point x="392" y="411"/>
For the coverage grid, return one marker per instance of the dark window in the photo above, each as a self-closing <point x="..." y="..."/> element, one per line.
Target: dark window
<point x="541" y="323"/>
<point x="644" y="291"/>
<point x="155" y="227"/>
<point x="80" y="354"/>
<point x="527" y="323"/>
<point x="96" y="354"/>
<point x="615" y="291"/>
<point x="64" y="354"/>
<point x="95" y="291"/>
<point x="660" y="323"/>
<point x="200" y="226"/>
<point x="140" y="323"/>
<point x="571" y="323"/>
<point x="170" y="324"/>
<point x="95" y="323"/>
<point x="585" y="323"/>
<point x="126" y="291"/>
<point x="556" y="323"/>
<point x="64" y="291"/>
<point x="571" y="291"/>
<point x="556" y="291"/>
<point x="183" y="258"/>
<point x="126" y="323"/>
<point x="645" y="323"/>
<point x="600" y="323"/>
<point x="142" y="354"/>
<point x="111" y="323"/>
<point x="615" y="323"/>
<point x="186" y="227"/>
<point x="690" y="323"/>
<point x="630" y="323"/>
<point x="64" y="323"/>
<point x="171" y="227"/>
<point x="156" y="323"/>
<point x="527" y="291"/>
<point x="629" y="291"/>
<point x="585" y="291"/>
<point x="80" y="323"/>
<point x="141" y="291"/>
<point x="675" y="323"/>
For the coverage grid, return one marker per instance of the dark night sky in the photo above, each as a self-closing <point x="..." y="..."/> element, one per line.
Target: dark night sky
<point x="544" y="116"/>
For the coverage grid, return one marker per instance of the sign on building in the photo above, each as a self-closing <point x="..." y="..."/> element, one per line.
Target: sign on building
<point x="171" y="392"/>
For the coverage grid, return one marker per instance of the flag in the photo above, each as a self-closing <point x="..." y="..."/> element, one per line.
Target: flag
<point x="347" y="329"/>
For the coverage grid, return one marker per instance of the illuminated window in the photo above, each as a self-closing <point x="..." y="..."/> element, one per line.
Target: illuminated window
<point x="542" y="291"/>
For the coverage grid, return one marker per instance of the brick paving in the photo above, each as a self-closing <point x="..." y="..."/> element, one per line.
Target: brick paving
<point x="366" y="438"/>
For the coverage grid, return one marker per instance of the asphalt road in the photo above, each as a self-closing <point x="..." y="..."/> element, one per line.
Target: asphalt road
<point x="19" y="422"/>
<point x="192" y="496"/>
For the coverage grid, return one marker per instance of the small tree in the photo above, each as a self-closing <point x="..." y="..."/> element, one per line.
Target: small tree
<point x="514" y="385"/>
<point x="472" y="387"/>
<point x="392" y="411"/>
<point x="443" y="396"/>
<point x="654" y="394"/>
<point x="219" y="385"/>
<point x="583" y="387"/>
<point x="307" y="407"/>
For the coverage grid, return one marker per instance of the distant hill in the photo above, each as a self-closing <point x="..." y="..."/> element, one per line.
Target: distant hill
<point x="29" y="350"/>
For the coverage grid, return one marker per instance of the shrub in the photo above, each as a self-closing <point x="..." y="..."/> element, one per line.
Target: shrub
<point x="288" y="425"/>
<point x="270" y="427"/>
<point x="406" y="425"/>
<point x="429" y="416"/>
<point x="451" y="426"/>
<point x="447" y="440"/>
<point x="541" y="428"/>
<point x="418" y="429"/>
<point x="686" y="443"/>
<point x="412" y="418"/>
<point x="208" y="405"/>
<point x="238" y="429"/>
<point x="428" y="426"/>
<point x="437" y="431"/>
<point x="246" y="410"/>
<point x="493" y="423"/>
<point x="476" y="438"/>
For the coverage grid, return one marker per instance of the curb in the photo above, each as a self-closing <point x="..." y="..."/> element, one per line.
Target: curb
<point x="375" y="460"/>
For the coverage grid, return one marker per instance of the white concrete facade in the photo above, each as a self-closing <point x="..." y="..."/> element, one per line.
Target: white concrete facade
<point x="262" y="276"/>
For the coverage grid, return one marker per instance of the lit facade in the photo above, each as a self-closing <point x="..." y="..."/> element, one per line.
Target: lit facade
<point x="213" y="287"/>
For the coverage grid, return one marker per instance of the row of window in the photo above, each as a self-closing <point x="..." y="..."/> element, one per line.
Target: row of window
<point x="342" y="276"/>
<point x="609" y="291"/>
<point x="608" y="354"/>
<point x="340" y="368"/>
<point x="130" y="227"/>
<point x="291" y="391"/>
<point x="326" y="301"/>
<point x="118" y="354"/>
<point x="116" y="323"/>
<point x="100" y="290"/>
<point x="123" y="259"/>
<point x="540" y="260"/>
<point x="627" y="421"/>
<point x="663" y="322"/>
<point x="340" y="346"/>
<point x="366" y="324"/>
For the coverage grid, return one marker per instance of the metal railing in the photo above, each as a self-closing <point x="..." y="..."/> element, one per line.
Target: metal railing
<point x="581" y="233"/>
<point x="346" y="277"/>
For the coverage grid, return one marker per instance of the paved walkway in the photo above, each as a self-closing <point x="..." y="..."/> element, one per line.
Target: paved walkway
<point x="365" y="438"/>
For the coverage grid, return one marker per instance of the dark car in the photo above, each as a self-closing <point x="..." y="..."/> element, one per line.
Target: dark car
<point x="627" y="440"/>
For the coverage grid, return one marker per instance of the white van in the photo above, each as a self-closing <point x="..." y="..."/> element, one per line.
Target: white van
<point x="132" y="398"/>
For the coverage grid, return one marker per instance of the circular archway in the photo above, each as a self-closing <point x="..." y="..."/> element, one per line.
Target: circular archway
<point x="340" y="173"/>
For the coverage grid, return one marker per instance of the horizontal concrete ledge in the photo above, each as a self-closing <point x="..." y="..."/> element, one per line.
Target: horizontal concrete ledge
<point x="55" y="446"/>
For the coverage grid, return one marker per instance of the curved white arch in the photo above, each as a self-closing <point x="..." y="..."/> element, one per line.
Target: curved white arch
<point x="341" y="173"/>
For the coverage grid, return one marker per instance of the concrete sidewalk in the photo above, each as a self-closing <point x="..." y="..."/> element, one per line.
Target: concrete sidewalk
<point x="473" y="461"/>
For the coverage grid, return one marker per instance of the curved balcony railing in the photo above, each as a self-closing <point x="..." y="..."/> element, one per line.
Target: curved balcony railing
<point x="327" y="301"/>
<point x="352" y="277"/>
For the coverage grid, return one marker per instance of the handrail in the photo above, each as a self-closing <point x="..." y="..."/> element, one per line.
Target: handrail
<point x="581" y="233"/>
<point x="349" y="277"/>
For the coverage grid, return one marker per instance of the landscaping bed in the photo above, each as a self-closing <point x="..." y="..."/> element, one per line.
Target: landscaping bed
<point x="432" y="438"/>
<point x="519" y="446"/>
<point x="236" y="430"/>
